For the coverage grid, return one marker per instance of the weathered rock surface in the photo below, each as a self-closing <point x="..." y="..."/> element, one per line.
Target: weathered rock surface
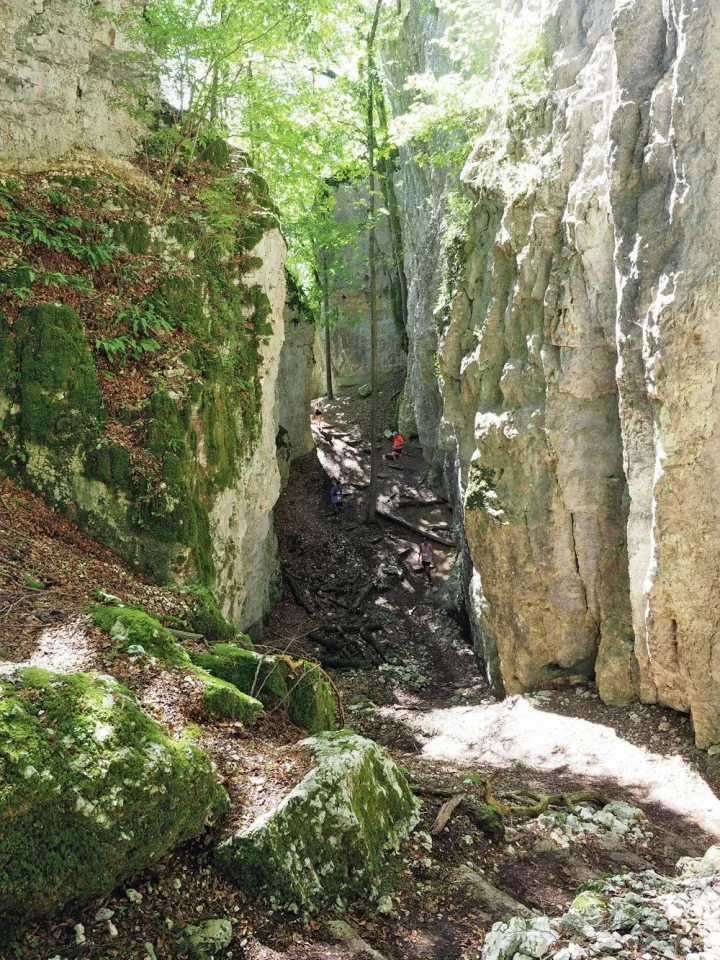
<point x="241" y="521"/>
<point x="329" y="836"/>
<point x="630" y="915"/>
<point x="423" y="206"/>
<point x="350" y="304"/>
<point x="207" y="940"/>
<point x="61" y="81"/>
<point x="295" y="378"/>
<point x="88" y="781"/>
<point x="577" y="365"/>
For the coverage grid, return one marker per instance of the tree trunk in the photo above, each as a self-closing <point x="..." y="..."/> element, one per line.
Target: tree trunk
<point x="372" y="499"/>
<point x="326" y="317"/>
<point x="393" y="208"/>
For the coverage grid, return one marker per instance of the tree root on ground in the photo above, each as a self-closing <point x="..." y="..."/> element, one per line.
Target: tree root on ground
<point x="490" y="812"/>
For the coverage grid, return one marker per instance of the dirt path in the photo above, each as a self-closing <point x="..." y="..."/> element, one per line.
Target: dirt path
<point x="429" y="705"/>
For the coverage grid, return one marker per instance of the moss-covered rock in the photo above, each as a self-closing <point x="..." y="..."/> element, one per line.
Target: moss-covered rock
<point x="132" y="628"/>
<point x="299" y="686"/>
<point x="136" y="632"/>
<point x="329" y="837"/>
<point x="208" y="620"/>
<point x="91" y="789"/>
<point x="224" y="700"/>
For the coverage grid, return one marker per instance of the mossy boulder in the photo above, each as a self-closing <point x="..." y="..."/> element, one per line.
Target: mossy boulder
<point x="224" y="700"/>
<point x="136" y="632"/>
<point x="297" y="685"/>
<point x="132" y="629"/>
<point x="92" y="790"/>
<point x="329" y="837"/>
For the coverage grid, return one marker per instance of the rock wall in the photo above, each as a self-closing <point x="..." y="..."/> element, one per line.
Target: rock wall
<point x="423" y="194"/>
<point x="59" y="79"/>
<point x="295" y="379"/>
<point x="241" y="519"/>
<point x="578" y="363"/>
<point x="350" y="302"/>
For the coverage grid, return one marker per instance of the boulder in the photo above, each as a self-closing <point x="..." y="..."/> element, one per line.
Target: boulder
<point x="93" y="790"/>
<point x="328" y="838"/>
<point x="137" y="633"/>
<point x="207" y="940"/>
<point x="298" y="685"/>
<point x="529" y="938"/>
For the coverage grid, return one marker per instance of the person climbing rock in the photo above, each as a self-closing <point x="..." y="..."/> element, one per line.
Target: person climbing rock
<point x="397" y="447"/>
<point x="426" y="558"/>
<point x="336" y="496"/>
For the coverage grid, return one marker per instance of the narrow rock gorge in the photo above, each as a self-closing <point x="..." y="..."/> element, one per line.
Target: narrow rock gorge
<point x="420" y="667"/>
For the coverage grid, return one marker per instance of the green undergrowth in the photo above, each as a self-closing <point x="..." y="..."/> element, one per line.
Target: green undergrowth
<point x="86" y="783"/>
<point x="130" y="390"/>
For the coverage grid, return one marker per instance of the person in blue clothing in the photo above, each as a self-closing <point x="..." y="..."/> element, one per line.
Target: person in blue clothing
<point x="336" y="496"/>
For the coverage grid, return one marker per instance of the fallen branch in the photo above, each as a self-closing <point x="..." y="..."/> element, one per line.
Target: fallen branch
<point x="446" y="811"/>
<point x="415" y="529"/>
<point x="301" y="597"/>
<point x="185" y="634"/>
<point x="361" y="596"/>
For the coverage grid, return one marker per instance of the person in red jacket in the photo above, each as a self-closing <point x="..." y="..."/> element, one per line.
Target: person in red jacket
<point x="397" y="447"/>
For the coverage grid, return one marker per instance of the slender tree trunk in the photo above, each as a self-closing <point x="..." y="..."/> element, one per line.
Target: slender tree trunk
<point x="326" y="317"/>
<point x="393" y="207"/>
<point x="372" y="499"/>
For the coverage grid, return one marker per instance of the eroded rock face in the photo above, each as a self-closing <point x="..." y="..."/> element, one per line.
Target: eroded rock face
<point x="241" y="521"/>
<point x="350" y="303"/>
<point x="88" y="780"/>
<point x="295" y="378"/>
<point x="60" y="79"/>
<point x="578" y="365"/>
<point x="329" y="836"/>
<point x="423" y="206"/>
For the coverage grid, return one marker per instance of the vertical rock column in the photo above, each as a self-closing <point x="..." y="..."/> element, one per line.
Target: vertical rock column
<point x="244" y="543"/>
<point x="666" y="207"/>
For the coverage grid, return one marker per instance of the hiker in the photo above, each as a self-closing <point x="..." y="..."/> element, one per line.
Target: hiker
<point x="426" y="557"/>
<point x="397" y="447"/>
<point x="336" y="496"/>
<point x="318" y="415"/>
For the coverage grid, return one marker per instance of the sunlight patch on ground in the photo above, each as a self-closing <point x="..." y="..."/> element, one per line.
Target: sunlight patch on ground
<point x="64" y="648"/>
<point x="513" y="733"/>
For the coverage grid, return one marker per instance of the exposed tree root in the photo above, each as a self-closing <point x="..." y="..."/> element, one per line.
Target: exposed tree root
<point x="490" y="815"/>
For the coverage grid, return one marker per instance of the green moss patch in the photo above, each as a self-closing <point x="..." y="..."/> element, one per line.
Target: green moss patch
<point x="91" y="789"/>
<point x="132" y="628"/>
<point x="328" y="839"/>
<point x="224" y="700"/>
<point x="299" y="688"/>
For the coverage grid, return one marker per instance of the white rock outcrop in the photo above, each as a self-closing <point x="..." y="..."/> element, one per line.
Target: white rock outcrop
<point x="61" y="80"/>
<point x="578" y="363"/>
<point x="241" y="520"/>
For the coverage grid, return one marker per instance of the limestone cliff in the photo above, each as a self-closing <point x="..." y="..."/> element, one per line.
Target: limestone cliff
<point x="349" y="298"/>
<point x="141" y="319"/>
<point x="578" y="368"/>
<point x="61" y="80"/>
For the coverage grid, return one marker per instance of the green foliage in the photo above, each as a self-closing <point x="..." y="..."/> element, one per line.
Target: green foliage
<point x="83" y="241"/>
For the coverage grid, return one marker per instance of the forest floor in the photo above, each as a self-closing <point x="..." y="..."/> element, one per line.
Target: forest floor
<point x="418" y="690"/>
